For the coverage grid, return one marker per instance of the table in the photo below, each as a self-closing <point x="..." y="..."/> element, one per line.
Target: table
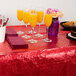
<point x="56" y="59"/>
<point x="60" y="41"/>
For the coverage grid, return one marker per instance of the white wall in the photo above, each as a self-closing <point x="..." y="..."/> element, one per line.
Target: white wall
<point x="9" y="8"/>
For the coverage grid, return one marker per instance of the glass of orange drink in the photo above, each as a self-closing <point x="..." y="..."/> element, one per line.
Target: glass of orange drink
<point x="48" y="22"/>
<point x="20" y="18"/>
<point x="33" y="12"/>
<point x="20" y="15"/>
<point x="33" y="23"/>
<point x="40" y="14"/>
<point x="26" y="21"/>
<point x="26" y="18"/>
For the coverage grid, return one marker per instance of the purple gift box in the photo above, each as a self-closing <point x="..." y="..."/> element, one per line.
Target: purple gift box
<point x="11" y="32"/>
<point x="16" y="42"/>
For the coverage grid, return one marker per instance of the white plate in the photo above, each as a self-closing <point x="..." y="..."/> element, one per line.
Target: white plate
<point x="69" y="34"/>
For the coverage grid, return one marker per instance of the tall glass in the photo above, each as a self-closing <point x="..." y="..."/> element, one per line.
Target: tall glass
<point x="48" y="22"/>
<point x="26" y="21"/>
<point x="20" y="15"/>
<point x="26" y="18"/>
<point x="33" y="23"/>
<point x="32" y="11"/>
<point x="39" y="20"/>
<point x="20" y="18"/>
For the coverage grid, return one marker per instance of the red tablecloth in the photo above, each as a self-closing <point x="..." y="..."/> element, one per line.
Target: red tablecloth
<point x="51" y="62"/>
<point x="60" y="41"/>
<point x="46" y="59"/>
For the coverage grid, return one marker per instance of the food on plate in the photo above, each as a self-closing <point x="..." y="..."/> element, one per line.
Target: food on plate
<point x="70" y="23"/>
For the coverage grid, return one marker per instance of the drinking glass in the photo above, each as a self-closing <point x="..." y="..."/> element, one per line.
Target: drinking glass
<point x="32" y="11"/>
<point x="26" y="21"/>
<point x="48" y="22"/>
<point x="20" y="15"/>
<point x="39" y="20"/>
<point x="20" y="18"/>
<point x="33" y="23"/>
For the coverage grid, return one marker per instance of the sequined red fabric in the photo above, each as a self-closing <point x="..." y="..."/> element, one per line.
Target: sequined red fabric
<point x="60" y="41"/>
<point x="48" y="62"/>
<point x="54" y="59"/>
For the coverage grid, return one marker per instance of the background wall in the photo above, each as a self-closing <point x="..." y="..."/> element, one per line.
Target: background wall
<point x="9" y="8"/>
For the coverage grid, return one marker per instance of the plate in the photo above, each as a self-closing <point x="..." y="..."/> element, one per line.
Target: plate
<point x="65" y="27"/>
<point x="70" y="36"/>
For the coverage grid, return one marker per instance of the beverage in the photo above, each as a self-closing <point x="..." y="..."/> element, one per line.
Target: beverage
<point x="48" y="19"/>
<point x="32" y="11"/>
<point x="48" y="22"/>
<point x="20" y="15"/>
<point x="39" y="20"/>
<point x="39" y="16"/>
<point x="33" y="20"/>
<point x="26" y="17"/>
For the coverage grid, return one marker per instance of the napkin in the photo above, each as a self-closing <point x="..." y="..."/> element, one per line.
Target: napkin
<point x="16" y="42"/>
<point x="11" y="32"/>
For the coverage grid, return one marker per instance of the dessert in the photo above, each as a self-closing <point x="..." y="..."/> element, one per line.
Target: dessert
<point x="73" y="30"/>
<point x="70" y="23"/>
